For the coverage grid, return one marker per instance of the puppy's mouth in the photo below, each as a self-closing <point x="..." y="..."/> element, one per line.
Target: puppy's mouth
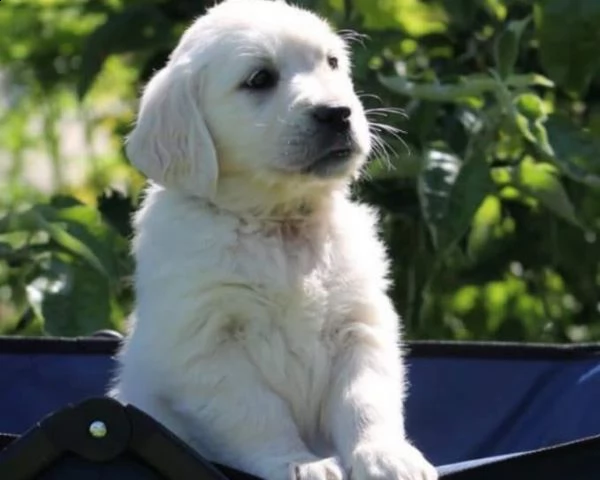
<point x="333" y="160"/>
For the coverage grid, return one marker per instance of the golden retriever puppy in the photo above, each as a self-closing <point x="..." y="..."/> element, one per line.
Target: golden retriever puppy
<point x="262" y="333"/>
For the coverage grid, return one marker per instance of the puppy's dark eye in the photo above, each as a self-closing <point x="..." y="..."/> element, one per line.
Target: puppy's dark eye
<point x="332" y="62"/>
<point x="262" y="79"/>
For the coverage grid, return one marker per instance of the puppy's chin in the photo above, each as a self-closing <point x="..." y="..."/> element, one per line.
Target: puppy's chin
<point x="334" y="158"/>
<point x="338" y="161"/>
<point x="334" y="164"/>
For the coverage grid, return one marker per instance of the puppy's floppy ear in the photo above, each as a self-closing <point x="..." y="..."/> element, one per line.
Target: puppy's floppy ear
<point x="171" y="143"/>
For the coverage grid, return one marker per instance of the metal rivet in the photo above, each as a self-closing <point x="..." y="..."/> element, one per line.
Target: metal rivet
<point x="98" y="429"/>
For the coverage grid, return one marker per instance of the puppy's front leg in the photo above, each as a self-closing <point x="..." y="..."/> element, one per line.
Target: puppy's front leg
<point x="365" y="407"/>
<point x="242" y="423"/>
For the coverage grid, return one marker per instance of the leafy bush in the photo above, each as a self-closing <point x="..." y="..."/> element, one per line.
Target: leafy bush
<point x="490" y="200"/>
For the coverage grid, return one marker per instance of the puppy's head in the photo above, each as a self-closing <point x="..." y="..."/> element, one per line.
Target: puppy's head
<point x="257" y="91"/>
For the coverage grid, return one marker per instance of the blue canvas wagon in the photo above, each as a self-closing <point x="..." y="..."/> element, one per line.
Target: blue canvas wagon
<point x="478" y="410"/>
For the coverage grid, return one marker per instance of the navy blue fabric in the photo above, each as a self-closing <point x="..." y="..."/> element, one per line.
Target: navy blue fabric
<point x="471" y="408"/>
<point x="459" y="408"/>
<point x="35" y="385"/>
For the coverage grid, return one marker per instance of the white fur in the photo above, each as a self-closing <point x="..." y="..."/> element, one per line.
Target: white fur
<point x="262" y="335"/>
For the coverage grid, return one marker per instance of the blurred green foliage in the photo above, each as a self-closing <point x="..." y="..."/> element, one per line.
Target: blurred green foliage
<point x="490" y="201"/>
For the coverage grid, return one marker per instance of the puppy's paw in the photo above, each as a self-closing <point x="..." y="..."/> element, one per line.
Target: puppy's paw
<point x="327" y="469"/>
<point x="374" y="461"/>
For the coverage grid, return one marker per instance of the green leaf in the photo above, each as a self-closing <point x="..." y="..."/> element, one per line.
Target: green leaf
<point x="138" y="27"/>
<point x="77" y="229"/>
<point x="569" y="35"/>
<point x="495" y="7"/>
<point x="486" y="228"/>
<point x="70" y="243"/>
<point x="439" y="175"/>
<point x="506" y="47"/>
<point x="6" y="250"/>
<point x="542" y="181"/>
<point x="422" y="118"/>
<point x="472" y="86"/>
<point x="531" y="106"/>
<point x="575" y="151"/>
<point x="22" y="221"/>
<point x="530" y="114"/>
<point x="80" y="306"/>
<point x="64" y="201"/>
<point x="86" y="224"/>
<point x="415" y="17"/>
<point x="450" y="194"/>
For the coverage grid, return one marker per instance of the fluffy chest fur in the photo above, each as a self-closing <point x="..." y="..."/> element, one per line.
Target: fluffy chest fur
<point x="290" y="301"/>
<point x="211" y="285"/>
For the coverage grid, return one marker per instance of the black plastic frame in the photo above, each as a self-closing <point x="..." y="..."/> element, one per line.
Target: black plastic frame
<point x="130" y="431"/>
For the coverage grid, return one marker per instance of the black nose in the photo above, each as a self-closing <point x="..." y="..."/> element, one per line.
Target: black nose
<point x="337" y="117"/>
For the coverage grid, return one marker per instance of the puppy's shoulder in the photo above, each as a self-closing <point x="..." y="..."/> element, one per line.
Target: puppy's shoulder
<point x="356" y="222"/>
<point x="360" y="251"/>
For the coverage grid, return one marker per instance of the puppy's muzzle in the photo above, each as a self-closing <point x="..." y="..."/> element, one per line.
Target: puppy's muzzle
<point x="332" y="140"/>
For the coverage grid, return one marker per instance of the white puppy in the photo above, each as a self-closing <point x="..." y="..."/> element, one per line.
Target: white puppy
<point x="263" y="335"/>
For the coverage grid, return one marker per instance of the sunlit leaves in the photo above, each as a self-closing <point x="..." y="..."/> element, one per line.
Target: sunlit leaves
<point x="137" y="27"/>
<point x="489" y="228"/>
<point x="73" y="264"/>
<point x="489" y="198"/>
<point x="542" y="181"/>
<point x="473" y="86"/>
<point x="416" y="17"/>
<point x="529" y="164"/>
